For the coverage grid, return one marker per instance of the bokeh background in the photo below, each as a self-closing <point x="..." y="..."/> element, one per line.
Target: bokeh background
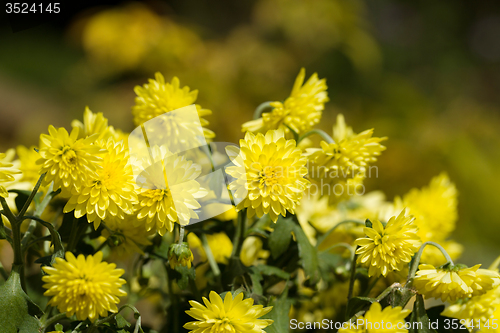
<point x="424" y="73"/>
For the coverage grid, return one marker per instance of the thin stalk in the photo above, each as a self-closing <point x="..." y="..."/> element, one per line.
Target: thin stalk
<point x="3" y="272"/>
<point x="210" y="257"/>
<point x="240" y="234"/>
<point x="102" y="246"/>
<point x="73" y="236"/>
<point x="173" y="303"/>
<point x="352" y="279"/>
<point x="352" y="276"/>
<point x="76" y="330"/>
<point x="319" y="132"/>
<point x="347" y="246"/>
<point x="7" y="212"/>
<point x="53" y="320"/>
<point x="32" y="195"/>
<point x="495" y="264"/>
<point x="16" y="232"/>
<point x="371" y="285"/>
<point x="38" y="212"/>
<point x="181" y="235"/>
<point x="338" y="225"/>
<point x="6" y="232"/>
<point x="416" y="259"/>
<point x="264" y="107"/>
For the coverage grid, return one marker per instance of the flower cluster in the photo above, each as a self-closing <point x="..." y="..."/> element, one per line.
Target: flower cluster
<point x="257" y="232"/>
<point x="388" y="248"/>
<point x="299" y="113"/>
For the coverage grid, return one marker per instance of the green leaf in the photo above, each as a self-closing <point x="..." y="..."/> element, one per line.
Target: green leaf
<point x="332" y="263"/>
<point x="121" y="322"/>
<point x="21" y="198"/>
<point x="419" y="315"/>
<point x="280" y="238"/>
<point x="185" y="275"/>
<point x="256" y="277"/>
<point x="357" y="304"/>
<point x="400" y="296"/>
<point x="18" y="311"/>
<point x="279" y="313"/>
<point x="271" y="270"/>
<point x="307" y="252"/>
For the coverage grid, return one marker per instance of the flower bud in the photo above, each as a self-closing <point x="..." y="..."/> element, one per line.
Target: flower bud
<point x="180" y="254"/>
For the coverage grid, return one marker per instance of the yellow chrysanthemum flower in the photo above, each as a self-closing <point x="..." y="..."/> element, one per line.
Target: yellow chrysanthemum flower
<point x="300" y="112"/>
<point x="376" y="320"/>
<point x="350" y="153"/>
<point x="434" y="207"/>
<point x="28" y="166"/>
<point x="389" y="248"/>
<point x="453" y="282"/>
<point x="180" y="255"/>
<point x="270" y="177"/>
<point x="220" y="245"/>
<point x="87" y="287"/>
<point x="252" y="251"/>
<point x="110" y="191"/>
<point x="230" y="315"/>
<point x="476" y="309"/>
<point x="7" y="173"/>
<point x="169" y="191"/>
<point x="433" y="256"/>
<point x="94" y="123"/>
<point x="126" y="236"/>
<point x="158" y="97"/>
<point x="67" y="160"/>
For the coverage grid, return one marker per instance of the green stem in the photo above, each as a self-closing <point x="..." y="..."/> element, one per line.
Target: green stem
<point x="352" y="279"/>
<point x="16" y="232"/>
<point x="416" y="260"/>
<point x="495" y="264"/>
<point x="319" y="132"/>
<point x="7" y="212"/>
<point x="3" y="272"/>
<point x="32" y="195"/>
<point x="372" y="284"/>
<point x="352" y="276"/>
<point x="325" y="236"/>
<point x="39" y="239"/>
<point x="38" y="212"/>
<point x="347" y="246"/>
<point x="56" y="238"/>
<point x="103" y="244"/>
<point x="4" y="231"/>
<point x="240" y="233"/>
<point x="74" y="233"/>
<point x="52" y="320"/>
<point x="76" y="330"/>
<point x="210" y="257"/>
<point x="174" y="308"/>
<point x="137" y="315"/>
<point x="264" y="107"/>
<point x="181" y="235"/>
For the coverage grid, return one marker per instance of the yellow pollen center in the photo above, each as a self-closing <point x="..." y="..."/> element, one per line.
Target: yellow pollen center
<point x="224" y="325"/>
<point x="381" y="239"/>
<point x="270" y="176"/>
<point x="157" y="194"/>
<point x="69" y="156"/>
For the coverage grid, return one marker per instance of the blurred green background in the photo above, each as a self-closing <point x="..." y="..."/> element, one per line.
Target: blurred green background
<point x="424" y="73"/>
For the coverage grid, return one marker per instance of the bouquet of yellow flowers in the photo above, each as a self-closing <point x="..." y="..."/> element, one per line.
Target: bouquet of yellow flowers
<point x="274" y="234"/>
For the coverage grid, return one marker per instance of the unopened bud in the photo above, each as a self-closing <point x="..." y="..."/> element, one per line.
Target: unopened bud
<point x="180" y="255"/>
